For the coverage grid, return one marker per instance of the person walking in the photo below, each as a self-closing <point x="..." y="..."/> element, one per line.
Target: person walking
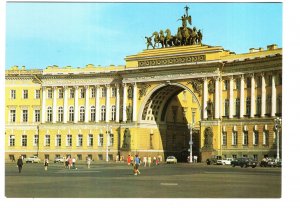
<point x="73" y="162"/>
<point x="149" y="160"/>
<point x="154" y="160"/>
<point x="145" y="161"/>
<point x="88" y="162"/>
<point x="70" y="162"/>
<point x="136" y="165"/>
<point x="46" y="163"/>
<point x="128" y="160"/>
<point x="20" y="164"/>
<point x="195" y="158"/>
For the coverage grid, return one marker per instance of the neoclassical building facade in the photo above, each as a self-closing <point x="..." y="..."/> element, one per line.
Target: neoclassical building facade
<point x="148" y="105"/>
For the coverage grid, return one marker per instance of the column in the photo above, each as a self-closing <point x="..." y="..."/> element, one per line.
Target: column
<point x="231" y="97"/>
<point x="204" y="98"/>
<point x="107" y="104"/>
<point x="76" y="105"/>
<point x="43" y="104"/>
<point x="65" y="104"/>
<point x="252" y="110"/>
<point x="220" y="98"/>
<point x="134" y="108"/>
<point x="273" y="109"/>
<point x="263" y="96"/>
<point x="97" y="101"/>
<point x="118" y="103"/>
<point x="54" y="112"/>
<point x="124" y="102"/>
<point x="217" y="98"/>
<point x="87" y="107"/>
<point x="242" y="97"/>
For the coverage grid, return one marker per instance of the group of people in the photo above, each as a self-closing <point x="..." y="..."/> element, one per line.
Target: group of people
<point x="147" y="161"/>
<point x="70" y="163"/>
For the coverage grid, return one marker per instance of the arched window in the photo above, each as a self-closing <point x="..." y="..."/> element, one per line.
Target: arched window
<point x="81" y="118"/>
<point x="60" y="114"/>
<point x="71" y="114"/>
<point x="113" y="113"/>
<point x="103" y="112"/>
<point x="93" y="113"/>
<point x="49" y="114"/>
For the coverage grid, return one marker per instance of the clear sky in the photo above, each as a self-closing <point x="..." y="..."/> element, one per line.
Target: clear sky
<point x="76" y="34"/>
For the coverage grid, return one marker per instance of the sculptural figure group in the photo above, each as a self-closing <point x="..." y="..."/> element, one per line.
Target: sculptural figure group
<point x="184" y="35"/>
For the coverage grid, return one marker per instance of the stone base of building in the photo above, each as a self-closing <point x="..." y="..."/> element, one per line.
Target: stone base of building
<point x="208" y="154"/>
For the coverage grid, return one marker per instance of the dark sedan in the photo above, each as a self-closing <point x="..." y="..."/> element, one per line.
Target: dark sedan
<point x="244" y="162"/>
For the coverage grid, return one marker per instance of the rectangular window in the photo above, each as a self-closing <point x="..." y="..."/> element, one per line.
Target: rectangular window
<point x="100" y="140"/>
<point x="234" y="138"/>
<point x="12" y="115"/>
<point x="37" y="94"/>
<point x="237" y="107"/>
<point x="72" y="92"/>
<point x="47" y="140"/>
<point x="82" y="93"/>
<point x="113" y="92"/>
<point x="248" y="82"/>
<point x="226" y="107"/>
<point x="111" y="141"/>
<point x="224" y="138"/>
<point x="103" y="92"/>
<point x="37" y="115"/>
<point x="91" y="140"/>
<point x="269" y="80"/>
<point x="79" y="140"/>
<point x="25" y="94"/>
<point x="12" y="94"/>
<point x="93" y="93"/>
<point x="238" y="84"/>
<point x="255" y="138"/>
<point x="266" y="137"/>
<point x="60" y="93"/>
<point x="49" y="93"/>
<point x="58" y="140"/>
<point x="11" y="140"/>
<point x="226" y="84"/>
<point x="258" y="82"/>
<point x="36" y="140"/>
<point x="245" y="138"/>
<point x="69" y="140"/>
<point x="25" y="115"/>
<point x="193" y="117"/>
<point x="24" y="140"/>
<point x="248" y="106"/>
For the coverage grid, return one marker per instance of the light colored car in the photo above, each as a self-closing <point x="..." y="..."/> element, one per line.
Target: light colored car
<point x="60" y="160"/>
<point x="226" y="161"/>
<point x="171" y="159"/>
<point x="32" y="159"/>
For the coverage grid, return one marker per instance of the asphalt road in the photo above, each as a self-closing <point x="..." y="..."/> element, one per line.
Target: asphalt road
<point x="116" y="180"/>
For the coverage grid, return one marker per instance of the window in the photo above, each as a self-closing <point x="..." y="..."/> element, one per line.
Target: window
<point x="93" y="93"/>
<point x="248" y="82"/>
<point x="113" y="113"/>
<point x="60" y="93"/>
<point x="259" y="82"/>
<point x="24" y="140"/>
<point x="79" y="140"/>
<point x="113" y="92"/>
<point x="248" y="106"/>
<point x="100" y="140"/>
<point x="25" y="94"/>
<point x="11" y="140"/>
<point x="111" y="140"/>
<point x="37" y="94"/>
<point x="269" y="80"/>
<point x="103" y="113"/>
<point x="226" y="108"/>
<point x="58" y="140"/>
<point x="71" y="114"/>
<point x="36" y="140"/>
<point x="226" y="84"/>
<point x="255" y="138"/>
<point x="266" y="137"/>
<point x="72" y="92"/>
<point x="12" y="94"/>
<point x="103" y="92"/>
<point x="90" y="140"/>
<point x="258" y="105"/>
<point x="224" y="138"/>
<point x="82" y="112"/>
<point x="47" y="140"/>
<point x="93" y="113"/>
<point x="193" y="117"/>
<point x="37" y="115"/>
<point x="82" y="93"/>
<point x="12" y="115"/>
<point x="49" y="93"/>
<point x="237" y="84"/>
<point x="69" y="140"/>
<point x="234" y="138"/>
<point x="25" y="115"/>
<point x="237" y="107"/>
<point x="49" y="114"/>
<point x="245" y="138"/>
<point x="269" y="104"/>
<point x="60" y="114"/>
<point x="279" y="104"/>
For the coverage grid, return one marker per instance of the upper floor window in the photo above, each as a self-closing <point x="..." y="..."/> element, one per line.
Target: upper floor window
<point x="60" y="93"/>
<point x="269" y="80"/>
<point x="79" y="140"/>
<point x="265" y="137"/>
<point x="60" y="114"/>
<point x="224" y="138"/>
<point x="279" y="104"/>
<point x="69" y="140"/>
<point x="36" y="115"/>
<point x="113" y="92"/>
<point x="258" y="105"/>
<point x="258" y="82"/>
<point x="58" y="140"/>
<point x="37" y="94"/>
<point x="248" y="106"/>
<point x="49" y="93"/>
<point x="11" y="140"/>
<point x="237" y="84"/>
<point x="82" y="93"/>
<point x="72" y="92"/>
<point x="103" y="113"/>
<point x="24" y="140"/>
<point x="93" y="92"/>
<point x="25" y="115"/>
<point x="82" y="114"/>
<point x="280" y="79"/>
<point x="113" y="112"/>
<point x="47" y="140"/>
<point x="93" y="113"/>
<point x="100" y="140"/>
<point x="248" y="82"/>
<point x="49" y="114"/>
<point x="12" y="94"/>
<point x="12" y="115"/>
<point x="226" y="107"/>
<point x="71" y="114"/>
<point x="234" y="138"/>
<point x="36" y="140"/>
<point x="91" y="140"/>
<point x="25" y="94"/>
<point x="103" y="92"/>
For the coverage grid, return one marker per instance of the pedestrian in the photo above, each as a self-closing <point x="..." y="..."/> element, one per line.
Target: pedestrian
<point x="136" y="164"/>
<point x="67" y="162"/>
<point x="149" y="160"/>
<point x="20" y="164"/>
<point x="70" y="162"/>
<point x="145" y="161"/>
<point x="131" y="160"/>
<point x="195" y="158"/>
<point x="128" y="160"/>
<point x="73" y="162"/>
<point x="154" y="160"/>
<point x="157" y="161"/>
<point x="46" y="163"/>
<point x="88" y="162"/>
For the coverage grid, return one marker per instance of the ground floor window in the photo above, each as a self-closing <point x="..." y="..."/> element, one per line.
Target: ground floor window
<point x="79" y="156"/>
<point x="100" y="157"/>
<point x="224" y="138"/>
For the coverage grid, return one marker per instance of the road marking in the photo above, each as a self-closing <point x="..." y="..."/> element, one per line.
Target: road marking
<point x="169" y="184"/>
<point x="77" y="171"/>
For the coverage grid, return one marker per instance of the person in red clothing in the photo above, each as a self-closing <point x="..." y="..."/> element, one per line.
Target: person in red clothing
<point x="70" y="162"/>
<point x="128" y="160"/>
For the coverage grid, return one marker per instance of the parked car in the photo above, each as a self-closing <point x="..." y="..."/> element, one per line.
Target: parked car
<point x="270" y="162"/>
<point x="244" y="162"/>
<point x="214" y="159"/>
<point x="59" y="160"/>
<point x="171" y="159"/>
<point x="226" y="161"/>
<point x="32" y="159"/>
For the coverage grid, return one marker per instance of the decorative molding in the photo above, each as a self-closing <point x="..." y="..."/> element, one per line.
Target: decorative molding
<point x="171" y="60"/>
<point x="143" y="90"/>
<point x="196" y="85"/>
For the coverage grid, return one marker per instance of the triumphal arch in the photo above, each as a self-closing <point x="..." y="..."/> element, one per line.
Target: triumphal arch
<point x="176" y="97"/>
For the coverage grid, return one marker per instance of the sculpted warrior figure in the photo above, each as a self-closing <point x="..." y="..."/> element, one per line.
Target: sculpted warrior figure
<point x="149" y="42"/>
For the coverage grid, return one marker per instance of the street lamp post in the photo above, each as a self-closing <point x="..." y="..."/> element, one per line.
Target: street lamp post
<point x="108" y="131"/>
<point x="190" y="126"/>
<point x="277" y="122"/>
